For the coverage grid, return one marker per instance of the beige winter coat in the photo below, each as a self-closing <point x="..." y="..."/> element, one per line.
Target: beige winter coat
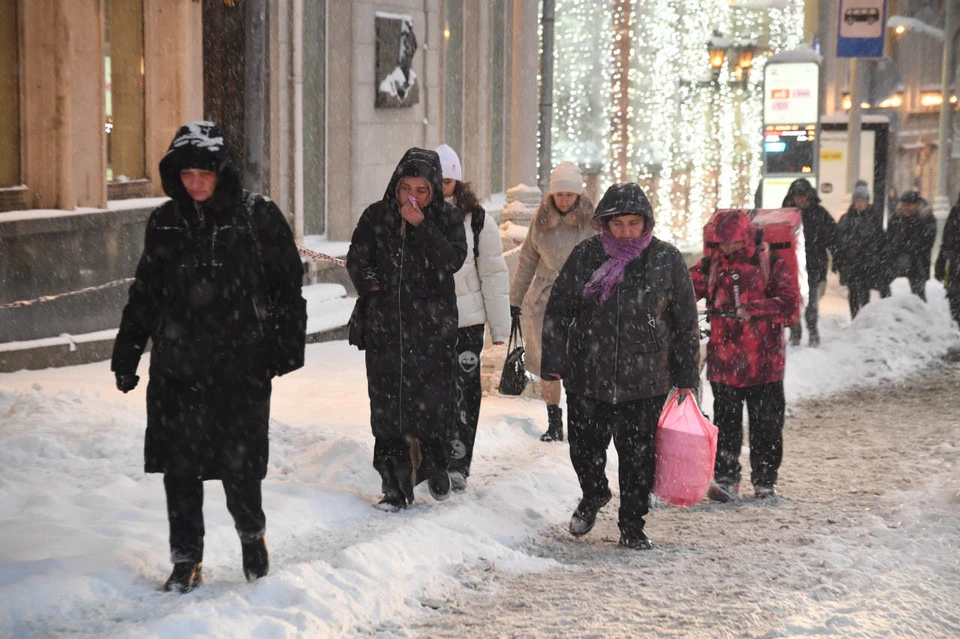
<point x="550" y="240"/>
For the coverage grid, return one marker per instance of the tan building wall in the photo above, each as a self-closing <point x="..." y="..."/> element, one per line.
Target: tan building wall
<point x="62" y="91"/>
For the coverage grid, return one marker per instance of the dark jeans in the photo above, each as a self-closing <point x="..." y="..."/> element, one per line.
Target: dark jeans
<point x="954" y="307"/>
<point x="918" y="285"/>
<point x="766" y="406"/>
<point x="391" y="458"/>
<point x="469" y="392"/>
<point x="859" y="295"/>
<point x="633" y="426"/>
<point x="812" y="312"/>
<point x="185" y="513"/>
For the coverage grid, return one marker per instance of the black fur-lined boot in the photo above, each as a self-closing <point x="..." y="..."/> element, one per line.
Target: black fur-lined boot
<point x="256" y="561"/>
<point x="554" y="425"/>
<point x="185" y="577"/>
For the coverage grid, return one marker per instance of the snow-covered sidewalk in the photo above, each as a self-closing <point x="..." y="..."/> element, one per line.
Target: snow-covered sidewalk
<point x="83" y="535"/>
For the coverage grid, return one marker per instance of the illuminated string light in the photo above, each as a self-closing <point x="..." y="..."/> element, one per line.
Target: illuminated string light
<point x="694" y="145"/>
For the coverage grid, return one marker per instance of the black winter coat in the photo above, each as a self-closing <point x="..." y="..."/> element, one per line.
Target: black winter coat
<point x="638" y="343"/>
<point x="819" y="230"/>
<point x="911" y="244"/>
<point x="411" y="321"/>
<point x="947" y="267"/>
<point x="209" y="303"/>
<point x="819" y="235"/>
<point x="862" y="256"/>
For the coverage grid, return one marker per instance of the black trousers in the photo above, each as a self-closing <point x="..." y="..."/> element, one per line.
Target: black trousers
<point x="954" y="301"/>
<point x="766" y="406"/>
<point x="633" y="426"/>
<point x="918" y="285"/>
<point x="185" y="513"/>
<point x="469" y="392"/>
<point x="391" y="458"/>
<point x="812" y="313"/>
<point x="859" y="295"/>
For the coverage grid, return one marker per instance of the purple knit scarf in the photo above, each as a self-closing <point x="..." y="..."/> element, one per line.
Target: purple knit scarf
<point x="610" y="273"/>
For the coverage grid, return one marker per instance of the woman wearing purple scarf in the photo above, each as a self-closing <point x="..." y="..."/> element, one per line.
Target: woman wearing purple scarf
<point x="620" y="330"/>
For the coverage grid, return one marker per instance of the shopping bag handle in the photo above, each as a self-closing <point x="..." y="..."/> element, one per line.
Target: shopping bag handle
<point x="516" y="335"/>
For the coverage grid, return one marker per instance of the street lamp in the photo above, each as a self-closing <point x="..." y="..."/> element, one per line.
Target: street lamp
<point x="717" y="47"/>
<point x="744" y="51"/>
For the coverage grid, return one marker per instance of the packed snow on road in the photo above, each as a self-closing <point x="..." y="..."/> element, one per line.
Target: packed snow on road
<point x="83" y="531"/>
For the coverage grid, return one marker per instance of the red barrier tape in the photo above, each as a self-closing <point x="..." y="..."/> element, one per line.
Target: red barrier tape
<point x="48" y="298"/>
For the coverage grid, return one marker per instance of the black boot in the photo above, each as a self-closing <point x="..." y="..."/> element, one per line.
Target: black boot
<point x="554" y="425"/>
<point x="185" y="577"/>
<point x="256" y="562"/>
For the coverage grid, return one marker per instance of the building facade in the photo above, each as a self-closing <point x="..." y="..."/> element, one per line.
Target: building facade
<point x="915" y="47"/>
<point x="320" y="98"/>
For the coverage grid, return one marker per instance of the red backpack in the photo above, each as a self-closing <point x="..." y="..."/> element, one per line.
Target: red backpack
<point x="780" y="234"/>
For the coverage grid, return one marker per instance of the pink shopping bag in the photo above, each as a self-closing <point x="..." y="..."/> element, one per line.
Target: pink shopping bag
<point x="686" y="449"/>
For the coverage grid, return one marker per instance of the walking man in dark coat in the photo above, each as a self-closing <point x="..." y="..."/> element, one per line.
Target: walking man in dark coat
<point x="947" y="267"/>
<point x="912" y="233"/>
<point x="218" y="291"/>
<point x="403" y="255"/>
<point x="819" y="233"/>
<point x="862" y="254"/>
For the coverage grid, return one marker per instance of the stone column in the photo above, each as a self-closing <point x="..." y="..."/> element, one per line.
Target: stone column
<point x="173" y="65"/>
<point x="63" y="119"/>
<point x="522" y="168"/>
<point x="476" y="95"/>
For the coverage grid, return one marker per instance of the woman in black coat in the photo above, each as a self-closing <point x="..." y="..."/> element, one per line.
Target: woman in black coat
<point x="862" y="256"/>
<point x="217" y="290"/>
<point x="620" y="330"/>
<point x="403" y="255"/>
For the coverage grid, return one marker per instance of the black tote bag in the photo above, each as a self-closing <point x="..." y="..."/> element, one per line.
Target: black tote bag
<point x="513" y="380"/>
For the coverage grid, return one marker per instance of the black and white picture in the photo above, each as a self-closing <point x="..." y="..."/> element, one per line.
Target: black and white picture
<point x="396" y="45"/>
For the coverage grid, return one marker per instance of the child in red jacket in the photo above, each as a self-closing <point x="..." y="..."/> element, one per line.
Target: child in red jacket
<point x="750" y="296"/>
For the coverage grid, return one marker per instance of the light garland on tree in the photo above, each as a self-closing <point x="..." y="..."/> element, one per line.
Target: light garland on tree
<point x="694" y="145"/>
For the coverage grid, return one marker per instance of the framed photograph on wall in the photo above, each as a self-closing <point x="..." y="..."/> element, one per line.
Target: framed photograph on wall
<point x="396" y="81"/>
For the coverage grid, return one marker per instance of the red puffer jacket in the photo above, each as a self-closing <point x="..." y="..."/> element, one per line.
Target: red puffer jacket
<point x="752" y="352"/>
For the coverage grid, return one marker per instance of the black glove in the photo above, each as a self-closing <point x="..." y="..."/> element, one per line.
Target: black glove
<point x="514" y="312"/>
<point x="127" y="383"/>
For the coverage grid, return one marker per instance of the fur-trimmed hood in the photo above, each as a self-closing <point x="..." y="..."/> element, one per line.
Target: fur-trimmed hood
<point x="548" y="216"/>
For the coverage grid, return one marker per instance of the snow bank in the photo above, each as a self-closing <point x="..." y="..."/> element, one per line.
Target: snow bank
<point x="83" y="532"/>
<point x="888" y="341"/>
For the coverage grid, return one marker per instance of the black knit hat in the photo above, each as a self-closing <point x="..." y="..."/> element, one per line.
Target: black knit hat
<point x="623" y="199"/>
<point x="911" y="197"/>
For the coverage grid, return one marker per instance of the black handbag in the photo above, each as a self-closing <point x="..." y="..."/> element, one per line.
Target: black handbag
<point x="514" y="380"/>
<point x="356" y="335"/>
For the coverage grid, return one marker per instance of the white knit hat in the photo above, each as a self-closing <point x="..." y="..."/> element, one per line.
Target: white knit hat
<point x="566" y="178"/>
<point x="452" y="169"/>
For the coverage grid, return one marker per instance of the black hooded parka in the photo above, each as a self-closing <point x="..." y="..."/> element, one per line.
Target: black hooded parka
<point x="406" y="273"/>
<point x="207" y="293"/>
<point x="862" y="257"/>
<point x="819" y="229"/>
<point x="641" y="341"/>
